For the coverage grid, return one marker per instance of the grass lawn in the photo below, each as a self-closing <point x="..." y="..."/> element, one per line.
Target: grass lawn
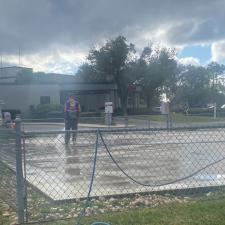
<point x="208" y="212"/>
<point x="178" y="117"/>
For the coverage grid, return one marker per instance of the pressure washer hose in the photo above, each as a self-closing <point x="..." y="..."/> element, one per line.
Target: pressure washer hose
<point x="131" y="178"/>
<point x="82" y="213"/>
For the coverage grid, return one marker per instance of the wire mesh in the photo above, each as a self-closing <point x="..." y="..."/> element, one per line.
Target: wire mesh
<point x="8" y="173"/>
<point x="59" y="172"/>
<point x="165" y="160"/>
<point x="171" y="120"/>
<point x="135" y="167"/>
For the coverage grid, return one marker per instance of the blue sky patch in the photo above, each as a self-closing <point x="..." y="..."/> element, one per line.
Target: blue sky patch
<point x="203" y="53"/>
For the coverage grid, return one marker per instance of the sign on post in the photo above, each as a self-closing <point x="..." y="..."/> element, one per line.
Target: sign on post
<point x="108" y="113"/>
<point x="165" y="108"/>
<point x="1" y="103"/>
<point x="108" y="107"/>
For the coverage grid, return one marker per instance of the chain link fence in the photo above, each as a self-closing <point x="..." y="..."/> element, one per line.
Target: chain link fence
<point x="8" y="171"/>
<point x="171" y="120"/>
<point x="134" y="167"/>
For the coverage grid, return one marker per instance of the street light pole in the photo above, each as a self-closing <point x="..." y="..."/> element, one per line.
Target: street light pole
<point x="214" y="98"/>
<point x="1" y="103"/>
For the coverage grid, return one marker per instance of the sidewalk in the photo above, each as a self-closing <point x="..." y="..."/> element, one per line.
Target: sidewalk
<point x="85" y="125"/>
<point x="57" y="126"/>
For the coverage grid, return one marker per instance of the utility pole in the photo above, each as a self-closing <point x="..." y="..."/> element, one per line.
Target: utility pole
<point x="214" y="98"/>
<point x="1" y="65"/>
<point x="19" y="56"/>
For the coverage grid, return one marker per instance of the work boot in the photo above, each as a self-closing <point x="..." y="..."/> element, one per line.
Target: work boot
<point x="74" y="139"/>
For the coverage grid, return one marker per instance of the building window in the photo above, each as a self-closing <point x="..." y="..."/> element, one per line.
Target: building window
<point x="44" y="100"/>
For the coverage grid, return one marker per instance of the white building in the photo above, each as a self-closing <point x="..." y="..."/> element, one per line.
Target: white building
<point x="22" y="89"/>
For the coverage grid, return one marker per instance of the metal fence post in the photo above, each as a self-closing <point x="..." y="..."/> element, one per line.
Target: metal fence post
<point x="19" y="174"/>
<point x="167" y="121"/>
<point x="126" y="121"/>
<point x="171" y="119"/>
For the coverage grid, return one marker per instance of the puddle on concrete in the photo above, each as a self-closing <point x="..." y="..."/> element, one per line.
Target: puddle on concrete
<point x="210" y="177"/>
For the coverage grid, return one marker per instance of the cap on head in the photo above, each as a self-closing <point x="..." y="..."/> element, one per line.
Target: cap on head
<point x="72" y="96"/>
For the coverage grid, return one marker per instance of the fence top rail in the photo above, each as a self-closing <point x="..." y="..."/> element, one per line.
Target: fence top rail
<point x="112" y="130"/>
<point x="60" y="119"/>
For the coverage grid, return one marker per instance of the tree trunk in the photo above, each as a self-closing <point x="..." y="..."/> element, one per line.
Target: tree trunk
<point x="149" y="96"/>
<point x="122" y="92"/>
<point x="123" y="99"/>
<point x="148" y="101"/>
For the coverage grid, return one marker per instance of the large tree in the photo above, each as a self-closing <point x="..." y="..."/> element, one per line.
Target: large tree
<point x="113" y="61"/>
<point x="194" y="87"/>
<point x="87" y="72"/>
<point x="156" y="70"/>
<point x="217" y="89"/>
<point x="215" y="69"/>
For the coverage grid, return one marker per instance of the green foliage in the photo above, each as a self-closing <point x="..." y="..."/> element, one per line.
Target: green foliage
<point x="140" y="111"/>
<point x="215" y="69"/>
<point x="194" y="87"/>
<point x="206" y="112"/>
<point x="200" y="111"/>
<point x="156" y="71"/>
<point x="116" y="61"/>
<point x="88" y="73"/>
<point x="206" y="212"/>
<point x="112" y="62"/>
<point x="44" y="110"/>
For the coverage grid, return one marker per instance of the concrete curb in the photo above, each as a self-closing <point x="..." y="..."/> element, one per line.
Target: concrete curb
<point x="83" y="125"/>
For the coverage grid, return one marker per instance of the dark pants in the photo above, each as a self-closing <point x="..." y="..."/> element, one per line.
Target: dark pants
<point x="70" y="124"/>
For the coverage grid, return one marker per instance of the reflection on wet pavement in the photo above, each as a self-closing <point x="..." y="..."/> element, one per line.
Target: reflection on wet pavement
<point x="154" y="158"/>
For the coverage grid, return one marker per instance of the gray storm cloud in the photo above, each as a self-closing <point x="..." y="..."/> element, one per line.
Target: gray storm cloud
<point x="36" y="25"/>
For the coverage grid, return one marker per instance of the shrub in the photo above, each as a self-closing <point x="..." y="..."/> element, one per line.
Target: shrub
<point x="200" y="110"/>
<point x="44" y="110"/>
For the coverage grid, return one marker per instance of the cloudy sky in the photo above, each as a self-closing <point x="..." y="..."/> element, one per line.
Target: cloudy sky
<point x="56" y="35"/>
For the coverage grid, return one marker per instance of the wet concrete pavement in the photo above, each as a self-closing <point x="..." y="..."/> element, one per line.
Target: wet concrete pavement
<point x="60" y="126"/>
<point x="152" y="158"/>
